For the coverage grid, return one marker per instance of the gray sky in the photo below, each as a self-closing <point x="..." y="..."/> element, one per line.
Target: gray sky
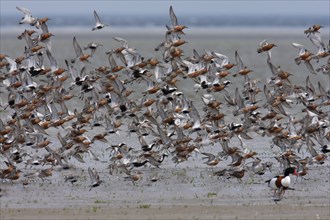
<point x="42" y="8"/>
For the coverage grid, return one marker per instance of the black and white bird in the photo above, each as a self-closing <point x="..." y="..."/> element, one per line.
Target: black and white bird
<point x="281" y="183"/>
<point x="95" y="178"/>
<point x="98" y="24"/>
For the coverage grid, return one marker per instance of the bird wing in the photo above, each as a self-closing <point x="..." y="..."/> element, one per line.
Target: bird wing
<point x="239" y="99"/>
<point x="97" y="18"/>
<point x="221" y="57"/>
<point x="77" y="48"/>
<point x="291" y="127"/>
<point x="196" y="55"/>
<point x="44" y="28"/>
<point x="112" y="61"/>
<point x="72" y="71"/>
<point x="299" y="46"/>
<point x="92" y="175"/>
<point x="93" y="156"/>
<point x="209" y="156"/>
<point x="316" y="40"/>
<point x="310" y="147"/>
<point x="122" y="41"/>
<point x="12" y="63"/>
<point x="173" y="17"/>
<point x="189" y="65"/>
<point x="309" y="85"/>
<point x="272" y="68"/>
<point x="239" y="61"/>
<point x="322" y="90"/>
<point x="24" y="10"/>
<point x="52" y="60"/>
<point x="143" y="142"/>
<point x="310" y="67"/>
<point x="28" y="40"/>
<point x="263" y="43"/>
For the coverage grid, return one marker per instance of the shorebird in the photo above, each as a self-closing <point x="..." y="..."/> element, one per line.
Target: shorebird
<point x="155" y="159"/>
<point x="281" y="183"/>
<point x="45" y="37"/>
<point x="5" y="172"/>
<point x="264" y="46"/>
<point x="93" y="46"/>
<point x="113" y="66"/>
<point x="212" y="160"/>
<point x="222" y="60"/>
<point x="95" y="178"/>
<point x="165" y="116"/>
<point x="304" y="55"/>
<point x="322" y="50"/>
<point x="56" y="70"/>
<point x="134" y="177"/>
<point x="241" y="69"/>
<point x="98" y="24"/>
<point x="176" y="28"/>
<point x="79" y="54"/>
<point x="41" y="21"/>
<point x="28" y="18"/>
<point x="238" y="173"/>
<point x="318" y="158"/>
<point x="313" y="29"/>
<point x="195" y="69"/>
<point x="258" y="167"/>
<point x="71" y="178"/>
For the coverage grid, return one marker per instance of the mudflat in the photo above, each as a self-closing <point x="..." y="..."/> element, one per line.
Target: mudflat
<point x="252" y="211"/>
<point x="180" y="193"/>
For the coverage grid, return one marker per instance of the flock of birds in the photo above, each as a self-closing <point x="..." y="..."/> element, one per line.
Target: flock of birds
<point x="42" y="100"/>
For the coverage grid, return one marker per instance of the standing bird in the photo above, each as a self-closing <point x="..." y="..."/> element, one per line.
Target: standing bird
<point x="95" y="178"/>
<point x="98" y="24"/>
<point x="281" y="183"/>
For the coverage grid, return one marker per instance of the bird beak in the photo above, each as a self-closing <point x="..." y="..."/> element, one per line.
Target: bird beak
<point x="295" y="173"/>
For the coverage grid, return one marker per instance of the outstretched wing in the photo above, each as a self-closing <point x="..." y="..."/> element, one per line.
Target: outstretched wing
<point x="239" y="61"/>
<point x="24" y="10"/>
<point x="77" y="48"/>
<point x="97" y="18"/>
<point x="52" y="60"/>
<point x="92" y="175"/>
<point x="173" y="17"/>
<point x="122" y="41"/>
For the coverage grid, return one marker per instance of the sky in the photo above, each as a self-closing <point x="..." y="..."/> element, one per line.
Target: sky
<point x="41" y="8"/>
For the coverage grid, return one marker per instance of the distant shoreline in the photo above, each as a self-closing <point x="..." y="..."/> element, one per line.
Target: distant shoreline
<point x="153" y="30"/>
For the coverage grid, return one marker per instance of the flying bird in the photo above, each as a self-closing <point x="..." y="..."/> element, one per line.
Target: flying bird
<point x="95" y="178"/>
<point x="28" y="18"/>
<point x="98" y="24"/>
